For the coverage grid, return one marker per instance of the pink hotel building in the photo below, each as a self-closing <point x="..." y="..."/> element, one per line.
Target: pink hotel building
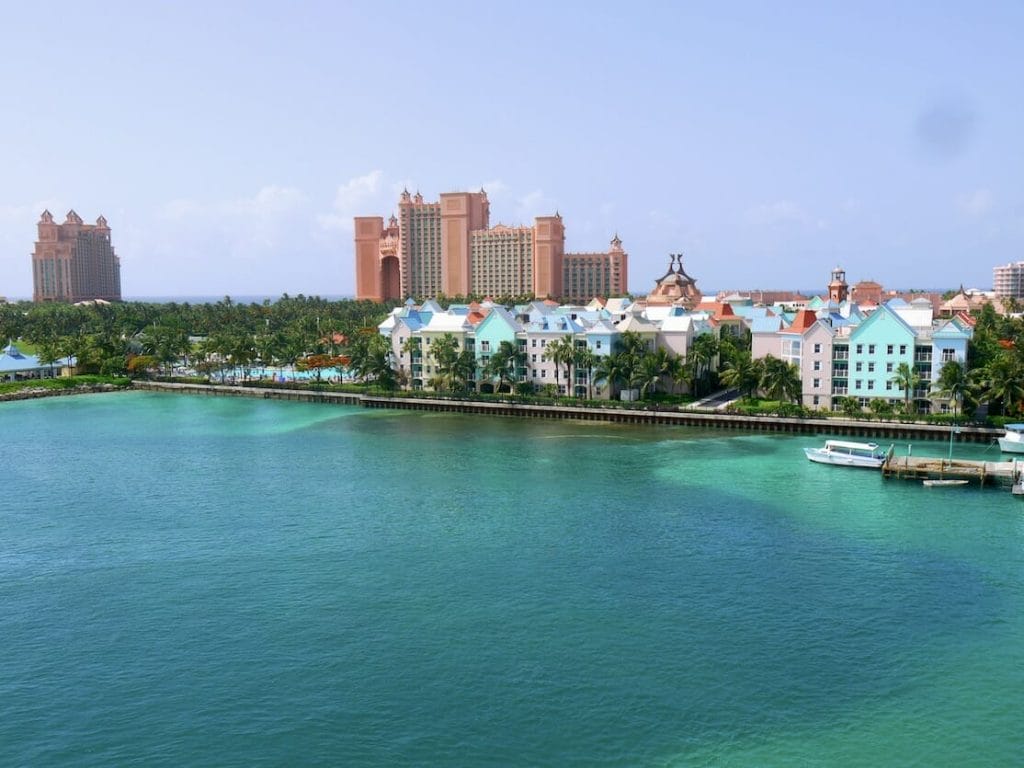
<point x="449" y="247"/>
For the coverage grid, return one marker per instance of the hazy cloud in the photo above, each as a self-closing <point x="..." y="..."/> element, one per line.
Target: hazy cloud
<point x="778" y="213"/>
<point x="356" y="197"/>
<point x="976" y="203"/>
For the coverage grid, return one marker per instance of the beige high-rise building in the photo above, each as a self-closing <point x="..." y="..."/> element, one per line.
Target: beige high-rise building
<point x="1008" y="280"/>
<point x="74" y="261"/>
<point x="449" y="247"/>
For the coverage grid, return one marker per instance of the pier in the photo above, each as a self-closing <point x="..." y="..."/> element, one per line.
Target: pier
<point x="923" y="468"/>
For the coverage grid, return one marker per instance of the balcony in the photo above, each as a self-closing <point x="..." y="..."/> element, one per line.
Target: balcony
<point x="839" y="390"/>
<point x="840" y="354"/>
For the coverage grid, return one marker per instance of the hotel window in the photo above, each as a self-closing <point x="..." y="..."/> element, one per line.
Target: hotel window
<point x="858" y="365"/>
<point x="871" y="349"/>
<point x="888" y="367"/>
<point x="817" y="383"/>
<point x="544" y="374"/>
<point x="888" y="349"/>
<point x="903" y="349"/>
<point x="598" y="345"/>
<point x="871" y="367"/>
<point x="817" y="348"/>
<point x="888" y="385"/>
<point x="533" y="358"/>
<point x="860" y="349"/>
<point x="856" y="384"/>
<point x="816" y="400"/>
<point x="871" y="383"/>
<point x="948" y="355"/>
<point x="817" y="365"/>
<point x="533" y="342"/>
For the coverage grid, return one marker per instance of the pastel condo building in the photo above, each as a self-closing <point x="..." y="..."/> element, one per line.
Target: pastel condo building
<point x="842" y="349"/>
<point x="449" y="247"/>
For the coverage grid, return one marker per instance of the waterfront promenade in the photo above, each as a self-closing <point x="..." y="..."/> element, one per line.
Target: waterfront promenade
<point x="889" y="430"/>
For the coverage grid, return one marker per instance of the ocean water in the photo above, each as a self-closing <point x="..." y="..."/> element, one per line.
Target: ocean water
<point x="232" y="582"/>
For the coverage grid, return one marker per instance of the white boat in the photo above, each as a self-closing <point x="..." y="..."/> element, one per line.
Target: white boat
<point x="848" y="454"/>
<point x="943" y="483"/>
<point x="1013" y="440"/>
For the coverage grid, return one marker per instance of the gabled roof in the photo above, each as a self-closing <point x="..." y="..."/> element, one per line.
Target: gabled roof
<point x="882" y="312"/>
<point x="635" y="324"/>
<point x="500" y="315"/>
<point x="803" y="321"/>
<point x="677" y="323"/>
<point x="953" y="329"/>
<point x="602" y="328"/>
<point x="766" y="324"/>
<point x="13" y="360"/>
<point x="719" y="309"/>
<point x="444" y="322"/>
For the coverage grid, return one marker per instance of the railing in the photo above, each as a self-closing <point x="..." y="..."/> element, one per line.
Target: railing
<point x="841" y="354"/>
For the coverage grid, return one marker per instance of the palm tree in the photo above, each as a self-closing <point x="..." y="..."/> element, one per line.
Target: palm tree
<point x="952" y="383"/>
<point x="906" y="379"/>
<point x="562" y="352"/>
<point x="413" y="348"/>
<point x="741" y="373"/>
<point x="648" y="373"/>
<point x="586" y="360"/>
<point x="780" y="380"/>
<point x="611" y="370"/>
<point x="1003" y="382"/>
<point x="700" y="357"/>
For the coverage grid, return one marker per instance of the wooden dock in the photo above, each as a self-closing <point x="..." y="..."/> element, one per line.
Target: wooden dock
<point x="933" y="468"/>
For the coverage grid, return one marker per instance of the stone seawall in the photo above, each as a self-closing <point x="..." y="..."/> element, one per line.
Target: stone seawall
<point x="33" y="394"/>
<point x="887" y="430"/>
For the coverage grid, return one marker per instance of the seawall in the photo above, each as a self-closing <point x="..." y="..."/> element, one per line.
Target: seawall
<point x="887" y="430"/>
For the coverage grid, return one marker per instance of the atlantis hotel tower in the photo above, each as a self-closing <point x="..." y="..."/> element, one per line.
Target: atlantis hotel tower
<point x="74" y="261"/>
<point x="449" y="247"/>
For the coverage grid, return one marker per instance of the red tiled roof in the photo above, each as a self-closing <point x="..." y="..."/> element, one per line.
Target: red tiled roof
<point x="804" y="319"/>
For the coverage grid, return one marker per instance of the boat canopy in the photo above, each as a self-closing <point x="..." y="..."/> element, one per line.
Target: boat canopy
<point x="1014" y="427"/>
<point x="850" y="446"/>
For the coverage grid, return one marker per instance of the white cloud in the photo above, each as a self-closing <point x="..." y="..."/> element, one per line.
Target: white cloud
<point x="271" y="201"/>
<point x="534" y="204"/>
<point x="976" y="203"/>
<point x="778" y="213"/>
<point x="353" y="198"/>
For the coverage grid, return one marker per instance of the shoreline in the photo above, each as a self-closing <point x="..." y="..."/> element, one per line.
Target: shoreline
<point x="782" y="424"/>
<point x="85" y="389"/>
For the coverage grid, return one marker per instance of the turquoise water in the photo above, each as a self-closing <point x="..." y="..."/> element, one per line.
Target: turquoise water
<point x="231" y="582"/>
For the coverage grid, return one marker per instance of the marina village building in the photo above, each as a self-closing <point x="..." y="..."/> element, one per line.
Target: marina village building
<point x="840" y="348"/>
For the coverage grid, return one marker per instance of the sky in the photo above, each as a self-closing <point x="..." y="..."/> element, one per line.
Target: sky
<point x="230" y="144"/>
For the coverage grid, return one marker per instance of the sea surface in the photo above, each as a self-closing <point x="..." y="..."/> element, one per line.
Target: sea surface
<point x="231" y="582"/>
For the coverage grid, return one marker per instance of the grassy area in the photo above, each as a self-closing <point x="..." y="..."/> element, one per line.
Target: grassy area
<point x="71" y="382"/>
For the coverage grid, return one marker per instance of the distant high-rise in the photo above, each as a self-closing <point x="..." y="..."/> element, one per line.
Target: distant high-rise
<point x="1008" y="280"/>
<point x="449" y="247"/>
<point x="74" y="261"/>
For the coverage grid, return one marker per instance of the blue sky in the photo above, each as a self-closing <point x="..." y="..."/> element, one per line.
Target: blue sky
<point x="229" y="144"/>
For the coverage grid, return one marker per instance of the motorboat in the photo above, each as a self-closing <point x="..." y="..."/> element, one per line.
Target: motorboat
<point x="845" y="453"/>
<point x="1013" y="440"/>
<point x="943" y="483"/>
